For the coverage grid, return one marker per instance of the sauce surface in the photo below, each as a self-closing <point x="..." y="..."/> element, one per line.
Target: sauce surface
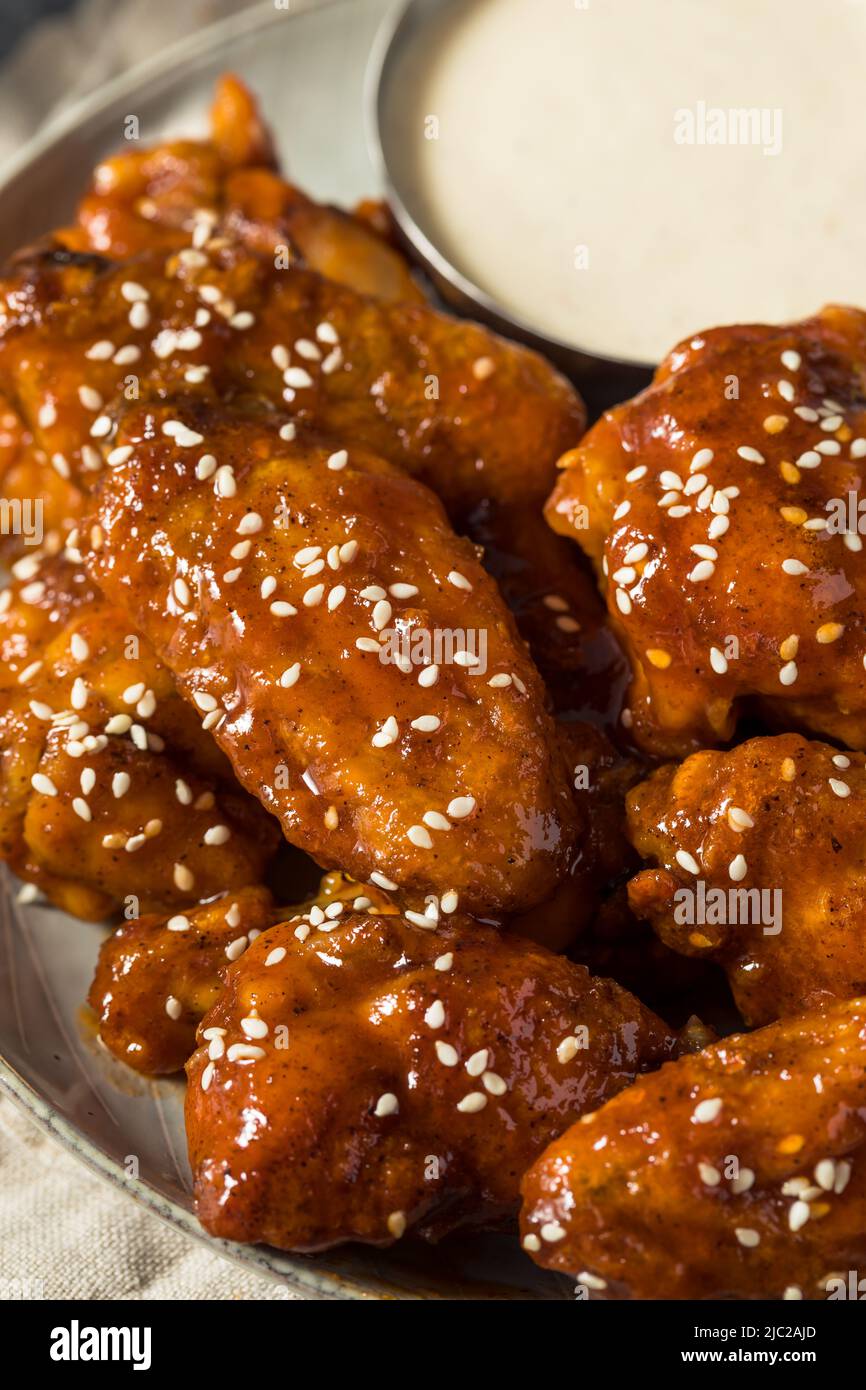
<point x="618" y="174"/>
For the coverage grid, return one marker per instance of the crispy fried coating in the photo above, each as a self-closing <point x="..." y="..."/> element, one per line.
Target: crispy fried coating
<point x="157" y="976"/>
<point x="280" y="609"/>
<point x="716" y="508"/>
<point x="363" y="1076"/>
<point x="738" y="1172"/>
<point x="473" y="416"/>
<point x="161" y="197"/>
<point x="759" y="867"/>
<point x="109" y="790"/>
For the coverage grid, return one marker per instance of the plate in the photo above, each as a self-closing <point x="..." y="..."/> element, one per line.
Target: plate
<point x="307" y="67"/>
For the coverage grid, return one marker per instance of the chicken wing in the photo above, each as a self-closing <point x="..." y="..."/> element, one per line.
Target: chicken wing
<point x="110" y="793"/>
<point x="473" y="416"/>
<point x="37" y="506"/>
<point x="717" y="506"/>
<point x="362" y="1077"/>
<point x="738" y="1172"/>
<point x="760" y="868"/>
<point x="301" y="613"/>
<point x="161" y="197"/>
<point x="157" y="976"/>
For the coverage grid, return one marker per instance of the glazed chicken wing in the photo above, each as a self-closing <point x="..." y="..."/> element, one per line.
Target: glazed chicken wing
<point x="739" y="1172"/>
<point x="37" y="506"/>
<point x="716" y="504"/>
<point x="109" y="790"/>
<point x="362" y="1077"/>
<point x="157" y="976"/>
<point x="164" y="196"/>
<point x="760" y="868"/>
<point x="281" y="607"/>
<point x="469" y="414"/>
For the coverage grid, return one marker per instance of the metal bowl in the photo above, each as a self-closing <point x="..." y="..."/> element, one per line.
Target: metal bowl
<point x="404" y="32"/>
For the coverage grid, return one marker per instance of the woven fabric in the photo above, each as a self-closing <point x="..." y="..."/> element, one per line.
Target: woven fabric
<point x="66" y="1233"/>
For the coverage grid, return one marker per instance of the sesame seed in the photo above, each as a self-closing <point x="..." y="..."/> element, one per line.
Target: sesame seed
<point x="706" y="1111"/>
<point x="477" y="1063"/>
<point x="445" y="962"/>
<point x="737" y="868"/>
<point x="434" y="1017"/>
<point x="748" y="1237"/>
<point x="419" y="837"/>
<point x="841" y="789"/>
<point x="338" y="461"/>
<point x="382" y="882"/>
<point x="493" y="1083"/>
<point x="744" y="1180"/>
<point x="718" y="661"/>
<point x="396" y="1224"/>
<point x="825" y="1174"/>
<point x="658" y="658"/>
<point x="43" y="784"/>
<point x="447" y="1054"/>
<point x="387" y="1104"/>
<point x="426" y="723"/>
<point x="387" y="734"/>
<point x="184" y="879"/>
<point x="459" y="581"/>
<point x="472" y="1103"/>
<point x="217" y="835"/>
<point x="173" y="1007"/>
<point x="249" y="524"/>
<point x="791" y="360"/>
<point x="290" y="675"/>
<point x="429" y="676"/>
<point x="461" y="806"/>
<point x="829" y="632"/>
<point x="798" y="1215"/>
<point x="636" y="553"/>
<point x="552" y="1232"/>
<point x="750" y="455"/>
<point x="245" y="1052"/>
<point x="224" y="483"/>
<point x="297" y="377"/>
<point x="788" y="673"/>
<point x="687" y="861"/>
<point x="382" y="615"/>
<point x="710" y="1176"/>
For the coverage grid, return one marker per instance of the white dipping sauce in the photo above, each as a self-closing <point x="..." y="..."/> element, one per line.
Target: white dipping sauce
<point x="561" y="180"/>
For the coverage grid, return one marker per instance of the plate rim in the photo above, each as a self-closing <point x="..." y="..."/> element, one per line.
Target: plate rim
<point x="155" y="71"/>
